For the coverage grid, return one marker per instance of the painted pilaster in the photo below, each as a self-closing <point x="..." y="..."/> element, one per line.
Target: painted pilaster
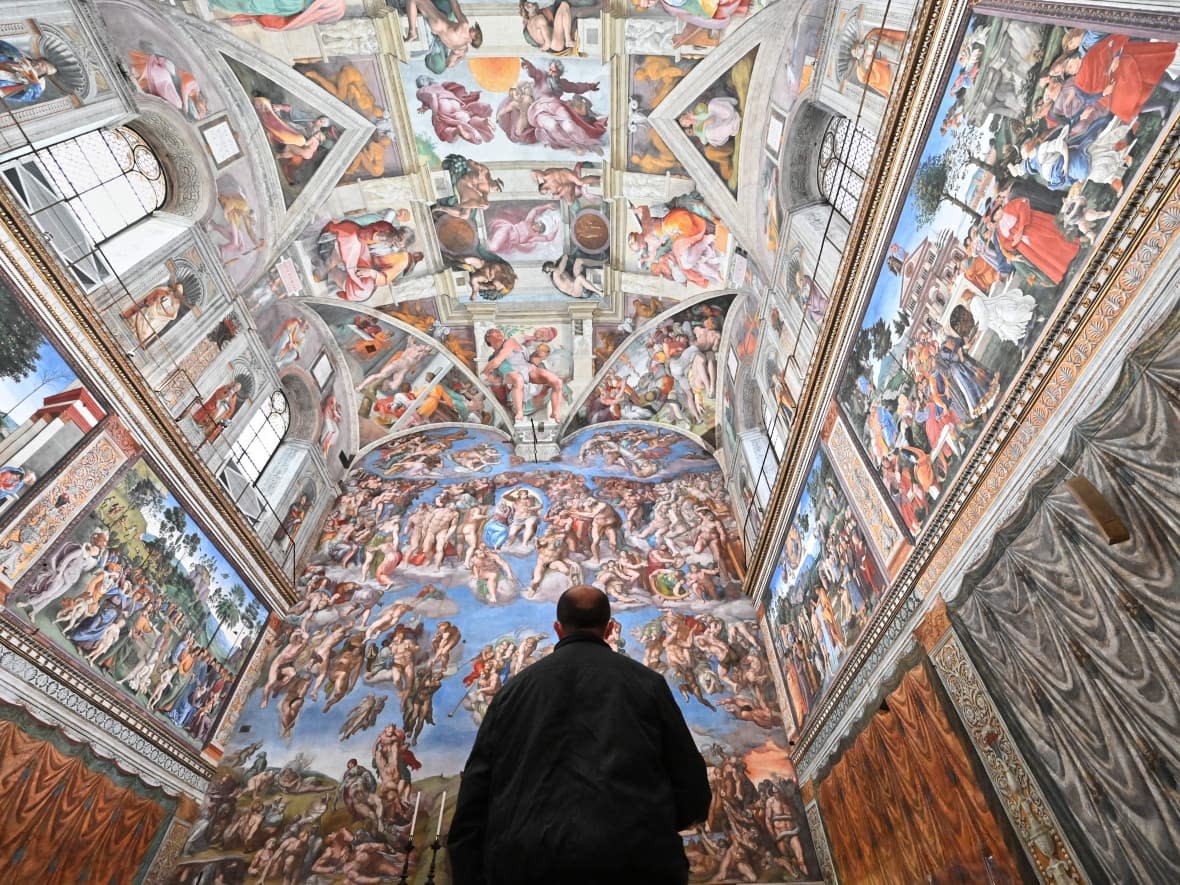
<point x="1044" y="843"/>
<point x="819" y="838"/>
<point x="167" y="855"/>
<point x="246" y="682"/>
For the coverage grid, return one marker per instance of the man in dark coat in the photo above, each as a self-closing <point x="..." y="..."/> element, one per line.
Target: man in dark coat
<point x="583" y="771"/>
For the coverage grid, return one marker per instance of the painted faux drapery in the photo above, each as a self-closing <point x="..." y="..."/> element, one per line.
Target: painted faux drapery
<point x="907" y="801"/>
<point x="1079" y="641"/>
<point x="63" y="822"/>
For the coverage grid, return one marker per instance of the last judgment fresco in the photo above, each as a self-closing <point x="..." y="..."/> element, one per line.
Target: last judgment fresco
<point x="433" y="582"/>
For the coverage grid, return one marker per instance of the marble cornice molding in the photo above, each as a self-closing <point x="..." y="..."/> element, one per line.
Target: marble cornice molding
<point x="34" y="680"/>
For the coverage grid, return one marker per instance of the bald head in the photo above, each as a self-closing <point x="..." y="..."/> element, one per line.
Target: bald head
<point x="583" y="609"/>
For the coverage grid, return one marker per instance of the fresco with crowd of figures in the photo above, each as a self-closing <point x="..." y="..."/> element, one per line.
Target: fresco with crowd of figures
<point x="1040" y="133"/>
<point x="667" y="374"/>
<point x="824" y="589"/>
<point x="137" y="594"/>
<point x="434" y="581"/>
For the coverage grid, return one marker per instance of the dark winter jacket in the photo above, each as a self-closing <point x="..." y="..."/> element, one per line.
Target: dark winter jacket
<point x="582" y="773"/>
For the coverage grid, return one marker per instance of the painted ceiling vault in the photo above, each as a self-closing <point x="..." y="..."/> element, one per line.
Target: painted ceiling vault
<point x="756" y="315"/>
<point x="519" y="230"/>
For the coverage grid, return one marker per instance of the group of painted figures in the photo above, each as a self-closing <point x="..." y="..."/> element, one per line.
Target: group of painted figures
<point x="831" y="586"/>
<point x="670" y="376"/>
<point x="428" y="519"/>
<point x="1065" y="115"/>
<point x="117" y="616"/>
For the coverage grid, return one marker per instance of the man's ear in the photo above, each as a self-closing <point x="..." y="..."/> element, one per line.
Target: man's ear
<point x="611" y="627"/>
<point x="557" y="629"/>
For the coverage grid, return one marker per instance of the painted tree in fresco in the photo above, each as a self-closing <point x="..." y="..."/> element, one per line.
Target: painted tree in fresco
<point x="20" y="340"/>
<point x="144" y="493"/>
<point x="226" y="612"/>
<point x="933" y="182"/>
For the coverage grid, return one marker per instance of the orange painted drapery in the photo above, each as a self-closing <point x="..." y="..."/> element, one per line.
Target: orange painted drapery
<point x="904" y="805"/>
<point x="61" y="822"/>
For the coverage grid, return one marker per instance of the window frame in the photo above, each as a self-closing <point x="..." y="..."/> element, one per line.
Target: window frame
<point x="241" y="455"/>
<point x="845" y="153"/>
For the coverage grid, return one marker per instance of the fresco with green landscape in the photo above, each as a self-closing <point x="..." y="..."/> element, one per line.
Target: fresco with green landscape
<point x="137" y="594"/>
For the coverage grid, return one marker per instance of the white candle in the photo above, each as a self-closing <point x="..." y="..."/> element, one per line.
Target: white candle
<point x="442" y="806"/>
<point x="414" y="819"/>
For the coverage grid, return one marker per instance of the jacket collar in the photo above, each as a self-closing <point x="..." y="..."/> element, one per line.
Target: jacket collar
<point x="580" y="637"/>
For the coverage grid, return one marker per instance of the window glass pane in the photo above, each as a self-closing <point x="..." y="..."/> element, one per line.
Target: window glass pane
<point x="845" y="154"/>
<point x="117" y="158"/>
<point x="278" y="424"/>
<point x="70" y="169"/>
<point x="146" y="163"/>
<point x="146" y="197"/>
<point x="108" y="219"/>
<point x="261" y="437"/>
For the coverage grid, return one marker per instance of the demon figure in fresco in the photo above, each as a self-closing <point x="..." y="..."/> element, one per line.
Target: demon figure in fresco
<point x="433" y="583"/>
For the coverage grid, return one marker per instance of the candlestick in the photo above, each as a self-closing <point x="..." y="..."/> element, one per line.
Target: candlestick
<point x="403" y="879"/>
<point x="442" y="806"/>
<point x="434" y="847"/>
<point x="414" y="819"/>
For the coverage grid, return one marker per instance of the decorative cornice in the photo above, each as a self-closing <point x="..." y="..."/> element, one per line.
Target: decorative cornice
<point x="104" y="717"/>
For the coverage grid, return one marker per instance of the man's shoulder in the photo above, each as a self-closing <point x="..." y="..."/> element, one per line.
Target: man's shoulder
<point x="603" y="657"/>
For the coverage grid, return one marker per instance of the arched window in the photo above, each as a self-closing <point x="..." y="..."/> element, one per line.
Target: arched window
<point x="86" y="190"/>
<point x="844" y="156"/>
<point x="110" y="178"/>
<point x="260" y="438"/>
